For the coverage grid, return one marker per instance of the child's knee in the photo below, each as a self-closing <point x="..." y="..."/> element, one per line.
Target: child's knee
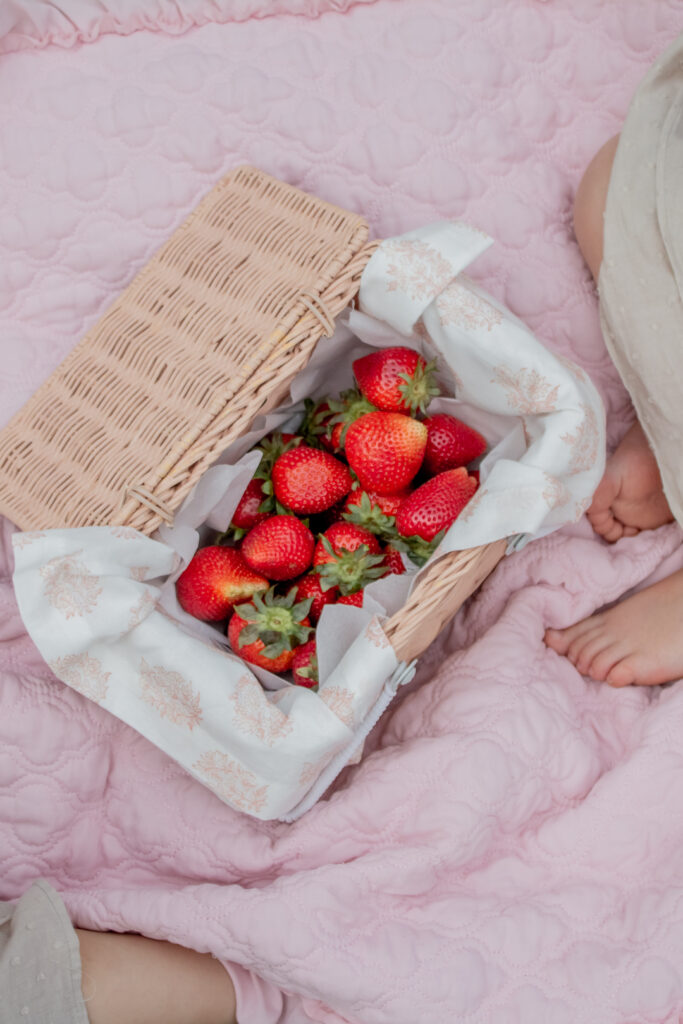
<point x="589" y="205"/>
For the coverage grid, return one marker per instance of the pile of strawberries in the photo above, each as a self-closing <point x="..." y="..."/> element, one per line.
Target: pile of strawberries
<point x="369" y="475"/>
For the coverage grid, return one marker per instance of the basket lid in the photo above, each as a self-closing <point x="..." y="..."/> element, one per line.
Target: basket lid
<point x="207" y="335"/>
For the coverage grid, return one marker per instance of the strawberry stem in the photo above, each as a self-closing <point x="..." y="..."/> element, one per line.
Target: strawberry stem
<point x="371" y="518"/>
<point x="349" y="570"/>
<point x="276" y="620"/>
<point x="419" y="388"/>
<point x="351" y="406"/>
<point x="417" y="548"/>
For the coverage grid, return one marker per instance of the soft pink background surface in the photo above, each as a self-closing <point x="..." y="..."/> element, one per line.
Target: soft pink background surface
<point x="511" y="847"/>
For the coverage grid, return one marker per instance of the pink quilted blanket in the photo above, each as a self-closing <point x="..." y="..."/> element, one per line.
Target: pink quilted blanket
<point x="510" y="847"/>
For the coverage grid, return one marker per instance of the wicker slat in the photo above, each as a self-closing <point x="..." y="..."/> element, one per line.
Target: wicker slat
<point x="180" y="361"/>
<point x="438" y="595"/>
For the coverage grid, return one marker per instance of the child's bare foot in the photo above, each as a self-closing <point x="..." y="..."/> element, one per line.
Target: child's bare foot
<point x="639" y="640"/>
<point x="629" y="497"/>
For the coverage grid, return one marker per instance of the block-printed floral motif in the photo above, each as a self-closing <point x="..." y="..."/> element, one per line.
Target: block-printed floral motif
<point x="83" y="673"/>
<point x="555" y="492"/>
<point x="459" y="306"/>
<point x="69" y="586"/>
<point x="376" y="635"/>
<point x="231" y="781"/>
<point x="256" y="715"/>
<point x="416" y="268"/>
<point x="528" y="391"/>
<point x="171" y="694"/>
<point x="583" y="441"/>
<point x="140" y="573"/>
<point x="142" y="608"/>
<point x="581" y="507"/>
<point x="574" y="368"/>
<point x="310" y="772"/>
<point x="24" y="540"/>
<point x="472" y="505"/>
<point x="339" y="700"/>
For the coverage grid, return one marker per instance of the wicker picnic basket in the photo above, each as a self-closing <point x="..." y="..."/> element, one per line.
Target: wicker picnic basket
<point x="207" y="336"/>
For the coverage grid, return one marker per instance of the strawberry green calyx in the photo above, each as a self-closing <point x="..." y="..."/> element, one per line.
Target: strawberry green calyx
<point x="417" y="548"/>
<point x="349" y="570"/>
<point x="232" y="535"/>
<point x="349" y="408"/>
<point x="419" y="388"/>
<point x="314" y="423"/>
<point x="370" y="516"/>
<point x="276" y="620"/>
<point x="272" y="447"/>
<point x="270" y="502"/>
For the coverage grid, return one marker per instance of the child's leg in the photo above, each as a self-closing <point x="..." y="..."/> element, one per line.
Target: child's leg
<point x="127" y="979"/>
<point x="639" y="640"/>
<point x="630" y="496"/>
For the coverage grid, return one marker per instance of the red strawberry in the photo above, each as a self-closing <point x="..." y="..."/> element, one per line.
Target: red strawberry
<point x="247" y="514"/>
<point x="348" y="557"/>
<point x="344" y="537"/>
<point x="355" y="599"/>
<point x="281" y="547"/>
<point x="393" y="560"/>
<point x="430" y="510"/>
<point x="305" y="665"/>
<point x="308" y="480"/>
<point x="385" y="450"/>
<point x="338" y="434"/>
<point x="215" y="580"/>
<point x="268" y="630"/>
<point x="396" y="380"/>
<point x="450" y="443"/>
<point x="309" y="586"/>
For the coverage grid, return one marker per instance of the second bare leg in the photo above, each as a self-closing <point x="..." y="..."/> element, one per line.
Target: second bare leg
<point x="128" y="979"/>
<point x="639" y="640"/>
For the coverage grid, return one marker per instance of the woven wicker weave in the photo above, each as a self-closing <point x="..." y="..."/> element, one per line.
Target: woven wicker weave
<point x="184" y="359"/>
<point x="208" y="335"/>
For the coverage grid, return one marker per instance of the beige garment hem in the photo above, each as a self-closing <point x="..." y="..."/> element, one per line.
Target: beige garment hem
<point x="40" y="962"/>
<point x="641" y="277"/>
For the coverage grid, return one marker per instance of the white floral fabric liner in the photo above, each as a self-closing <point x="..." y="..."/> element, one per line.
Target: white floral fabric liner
<point x="99" y="602"/>
<point x="542" y="415"/>
<point x="94" y="613"/>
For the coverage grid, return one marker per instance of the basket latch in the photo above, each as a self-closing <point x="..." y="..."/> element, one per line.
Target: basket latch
<point x="319" y="310"/>
<point x="145" y="497"/>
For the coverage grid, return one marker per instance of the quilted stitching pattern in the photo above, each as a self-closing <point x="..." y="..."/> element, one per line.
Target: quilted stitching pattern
<point x="510" y="850"/>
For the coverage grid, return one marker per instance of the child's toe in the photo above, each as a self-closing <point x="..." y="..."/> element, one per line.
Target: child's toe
<point x="603" y="663"/>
